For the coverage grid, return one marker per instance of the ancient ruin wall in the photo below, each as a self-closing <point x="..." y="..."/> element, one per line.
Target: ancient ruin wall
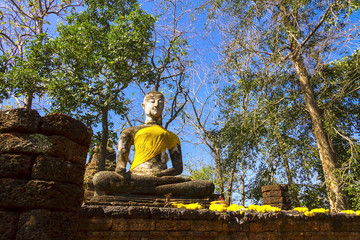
<point x="119" y="222"/>
<point x="42" y="163"/>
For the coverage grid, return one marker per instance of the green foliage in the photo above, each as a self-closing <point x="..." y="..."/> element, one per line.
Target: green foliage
<point x="25" y="53"/>
<point x="28" y="73"/>
<point x="314" y="197"/>
<point x="261" y="39"/>
<point x="203" y="172"/>
<point x="98" y="54"/>
<point x="338" y="87"/>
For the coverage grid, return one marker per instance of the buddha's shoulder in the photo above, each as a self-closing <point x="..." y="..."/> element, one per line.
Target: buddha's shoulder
<point x="132" y="130"/>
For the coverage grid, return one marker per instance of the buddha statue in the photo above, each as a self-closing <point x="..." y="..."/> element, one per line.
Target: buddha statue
<point x="149" y="174"/>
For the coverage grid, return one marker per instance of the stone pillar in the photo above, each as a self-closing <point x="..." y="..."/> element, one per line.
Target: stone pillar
<point x="277" y="196"/>
<point x="42" y="163"/>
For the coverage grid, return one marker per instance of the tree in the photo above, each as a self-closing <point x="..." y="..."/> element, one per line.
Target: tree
<point x="22" y="30"/>
<point x="276" y="33"/>
<point x="98" y="53"/>
<point x="339" y="94"/>
<point x="169" y="58"/>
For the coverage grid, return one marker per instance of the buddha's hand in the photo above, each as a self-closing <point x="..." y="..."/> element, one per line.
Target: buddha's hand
<point x="120" y="171"/>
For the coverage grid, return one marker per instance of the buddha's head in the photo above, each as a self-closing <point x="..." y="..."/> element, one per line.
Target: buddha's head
<point x="153" y="104"/>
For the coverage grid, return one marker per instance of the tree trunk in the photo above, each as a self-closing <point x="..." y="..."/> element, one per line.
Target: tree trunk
<point x="293" y="192"/>
<point x="328" y="157"/>
<point x="338" y="200"/>
<point x="242" y="179"/>
<point x="28" y="101"/>
<point x="219" y="170"/>
<point x="104" y="139"/>
<point x="230" y="183"/>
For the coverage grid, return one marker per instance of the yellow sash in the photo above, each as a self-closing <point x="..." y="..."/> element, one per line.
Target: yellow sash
<point x="151" y="141"/>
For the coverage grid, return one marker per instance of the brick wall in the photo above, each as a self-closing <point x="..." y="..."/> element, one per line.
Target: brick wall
<point x="42" y="163"/>
<point x="119" y="222"/>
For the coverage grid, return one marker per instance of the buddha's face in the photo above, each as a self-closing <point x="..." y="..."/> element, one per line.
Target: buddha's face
<point x="153" y="104"/>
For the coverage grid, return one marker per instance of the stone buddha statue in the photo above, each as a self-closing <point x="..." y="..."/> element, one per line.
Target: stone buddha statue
<point x="149" y="174"/>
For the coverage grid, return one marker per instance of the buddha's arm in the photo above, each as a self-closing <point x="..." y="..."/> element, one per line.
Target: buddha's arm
<point x="177" y="164"/>
<point x="124" y="146"/>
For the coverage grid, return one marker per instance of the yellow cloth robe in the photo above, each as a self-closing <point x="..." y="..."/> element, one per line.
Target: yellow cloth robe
<point x="151" y="141"/>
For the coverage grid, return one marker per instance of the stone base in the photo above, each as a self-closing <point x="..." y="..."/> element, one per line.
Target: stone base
<point x="150" y="201"/>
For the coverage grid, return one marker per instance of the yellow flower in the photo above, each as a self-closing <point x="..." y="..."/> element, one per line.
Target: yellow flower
<point x="348" y="211"/>
<point x="264" y="208"/>
<point x="308" y="214"/>
<point x="301" y="209"/>
<point x="178" y="205"/>
<point x="221" y="202"/>
<point x="357" y="213"/>
<point x="219" y="208"/>
<point x="234" y="208"/>
<point x="275" y="209"/>
<point x="253" y="207"/>
<point x="320" y="210"/>
<point x="193" y="206"/>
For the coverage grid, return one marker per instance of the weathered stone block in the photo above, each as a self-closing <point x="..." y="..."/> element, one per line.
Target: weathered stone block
<point x="275" y="194"/>
<point x="239" y="235"/>
<point x="55" y="169"/>
<point x="177" y="234"/>
<point x="119" y="235"/>
<point x="8" y="225"/>
<point x="311" y="225"/>
<point x="57" y="146"/>
<point x="135" y="235"/>
<point x="289" y="225"/>
<point x="285" y="235"/>
<point x="277" y="200"/>
<point x="67" y="149"/>
<point x="139" y="212"/>
<point x="161" y="234"/>
<point x="321" y="236"/>
<point x="47" y="225"/>
<point x="95" y="224"/>
<point x="18" y="193"/>
<point x="283" y="206"/>
<point x="327" y="226"/>
<point x="224" y="236"/>
<point x="15" y="166"/>
<point x="355" y="226"/>
<point x="172" y="225"/>
<point x="81" y="236"/>
<point x="342" y="226"/>
<point x="19" y="120"/>
<point x="205" y="226"/>
<point x="60" y="124"/>
<point x="133" y="225"/>
<point x="232" y="227"/>
<point x="277" y="187"/>
<point x="24" y="143"/>
<point x="205" y="235"/>
<point x="97" y="235"/>
<point x="256" y="227"/>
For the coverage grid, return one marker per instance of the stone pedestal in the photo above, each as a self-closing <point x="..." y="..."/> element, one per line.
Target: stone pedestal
<point x="277" y="196"/>
<point x="42" y="164"/>
<point x="149" y="201"/>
